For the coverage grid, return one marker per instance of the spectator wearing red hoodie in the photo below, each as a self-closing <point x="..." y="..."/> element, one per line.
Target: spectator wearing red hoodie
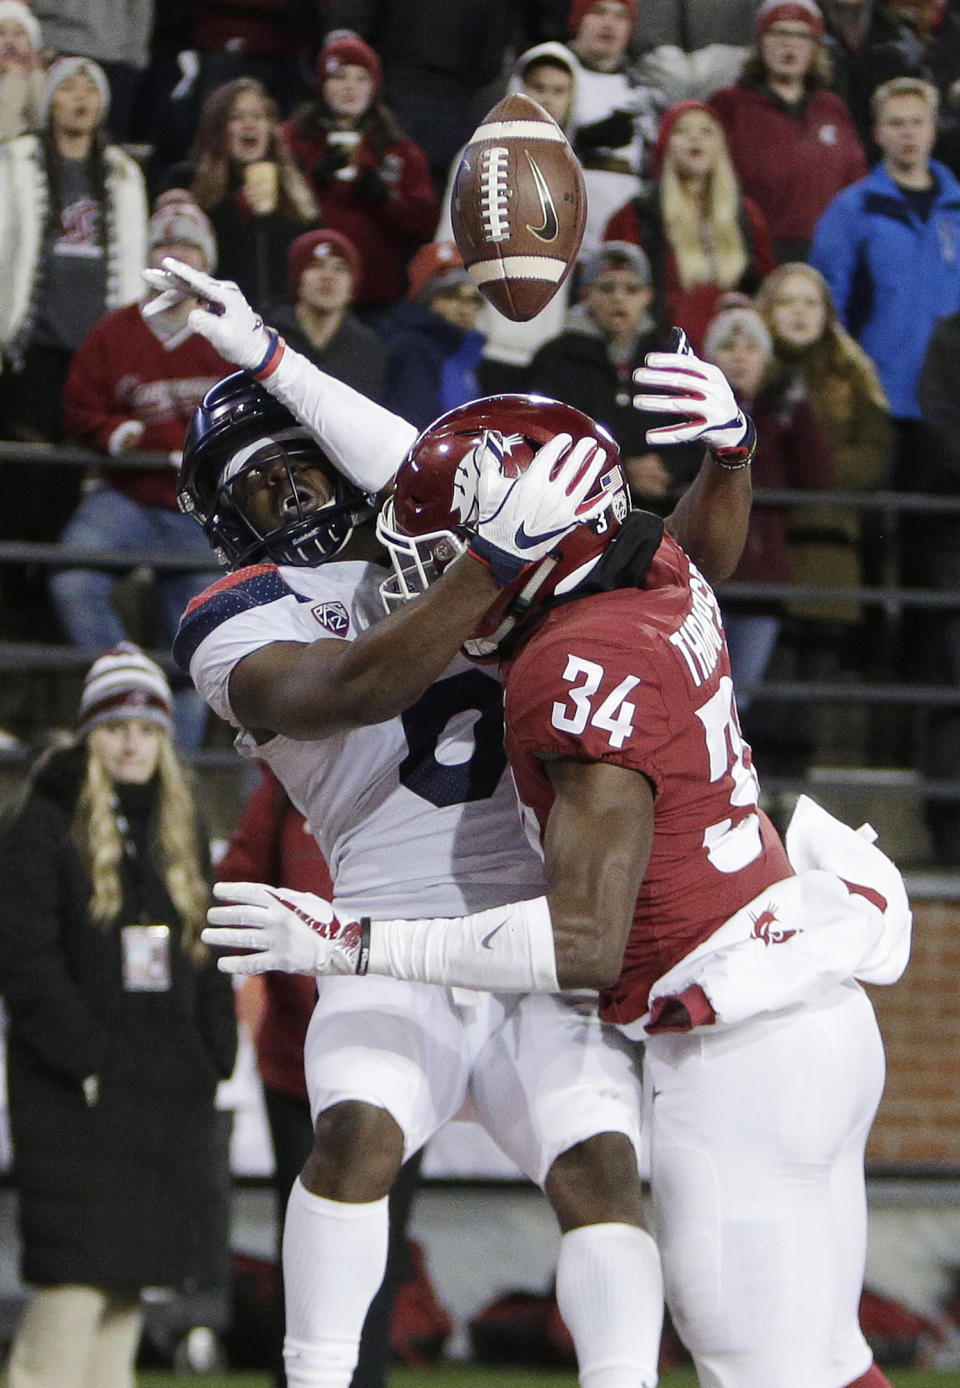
<point x="793" y="142"/>
<point x="703" y="238"/>
<point x="372" y="182"/>
<point x="134" y="384"/>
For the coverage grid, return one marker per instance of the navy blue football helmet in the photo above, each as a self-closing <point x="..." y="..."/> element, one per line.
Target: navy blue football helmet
<point x="239" y="427"/>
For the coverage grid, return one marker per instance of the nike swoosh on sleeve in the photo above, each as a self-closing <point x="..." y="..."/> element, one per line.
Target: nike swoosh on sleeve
<point x="485" y="942"/>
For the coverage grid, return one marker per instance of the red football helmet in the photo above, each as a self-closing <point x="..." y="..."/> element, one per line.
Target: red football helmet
<point x="432" y="513"/>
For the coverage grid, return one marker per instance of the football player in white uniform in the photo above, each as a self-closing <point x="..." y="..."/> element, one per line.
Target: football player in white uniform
<point x="416" y="814"/>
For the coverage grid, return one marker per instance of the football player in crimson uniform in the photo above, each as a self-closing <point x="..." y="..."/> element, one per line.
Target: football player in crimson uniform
<point x="667" y="889"/>
<point x="415" y="813"/>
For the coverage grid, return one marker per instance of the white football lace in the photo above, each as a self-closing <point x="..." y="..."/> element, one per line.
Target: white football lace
<point x="493" y="195"/>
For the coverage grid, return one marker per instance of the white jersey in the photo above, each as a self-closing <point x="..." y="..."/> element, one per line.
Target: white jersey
<point x="416" y="816"/>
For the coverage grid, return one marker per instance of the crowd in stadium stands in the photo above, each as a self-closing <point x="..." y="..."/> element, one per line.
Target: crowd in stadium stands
<point x="779" y="178"/>
<point x="791" y="163"/>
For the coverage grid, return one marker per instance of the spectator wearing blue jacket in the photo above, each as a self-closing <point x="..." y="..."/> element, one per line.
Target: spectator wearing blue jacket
<point x="432" y="342"/>
<point x="889" y="248"/>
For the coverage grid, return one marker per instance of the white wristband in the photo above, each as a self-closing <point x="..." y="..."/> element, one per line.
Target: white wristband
<point x="508" y="949"/>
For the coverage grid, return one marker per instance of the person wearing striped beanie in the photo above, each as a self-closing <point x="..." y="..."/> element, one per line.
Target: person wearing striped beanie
<point x="125" y="684"/>
<point x="120" y="1028"/>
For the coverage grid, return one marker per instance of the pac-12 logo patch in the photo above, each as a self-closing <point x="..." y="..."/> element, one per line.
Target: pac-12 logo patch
<point x="333" y="616"/>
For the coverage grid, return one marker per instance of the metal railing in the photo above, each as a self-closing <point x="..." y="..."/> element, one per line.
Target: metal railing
<point x="891" y="601"/>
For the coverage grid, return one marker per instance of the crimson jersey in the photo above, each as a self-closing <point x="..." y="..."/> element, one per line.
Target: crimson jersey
<point x="642" y="679"/>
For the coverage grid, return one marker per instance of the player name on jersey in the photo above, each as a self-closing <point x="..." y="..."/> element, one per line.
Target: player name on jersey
<point x="699" y="638"/>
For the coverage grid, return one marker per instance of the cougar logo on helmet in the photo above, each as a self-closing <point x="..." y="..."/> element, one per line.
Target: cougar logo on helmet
<point x="428" y="519"/>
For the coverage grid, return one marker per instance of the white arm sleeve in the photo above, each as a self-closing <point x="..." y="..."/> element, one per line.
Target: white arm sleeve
<point x="366" y="441"/>
<point x="508" y="949"/>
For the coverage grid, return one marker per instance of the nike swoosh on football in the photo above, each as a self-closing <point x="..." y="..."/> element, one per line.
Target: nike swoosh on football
<point x="485" y="942"/>
<point x="523" y="540"/>
<point x="550" y="226"/>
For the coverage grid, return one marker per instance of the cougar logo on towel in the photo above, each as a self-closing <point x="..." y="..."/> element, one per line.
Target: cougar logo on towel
<point x="762" y="929"/>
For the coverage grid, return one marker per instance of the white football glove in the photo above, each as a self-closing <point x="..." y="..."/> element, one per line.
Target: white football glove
<point x="522" y="518"/>
<point x="292" y="932"/>
<point x="222" y="316"/>
<point x="699" y="391"/>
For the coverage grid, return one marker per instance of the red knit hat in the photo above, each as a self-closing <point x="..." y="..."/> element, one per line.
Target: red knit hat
<point x="436" y="266"/>
<point x="788" y="12"/>
<point x="579" y="8"/>
<point x="668" y="123"/>
<point x="344" y="47"/>
<point x="318" y="245"/>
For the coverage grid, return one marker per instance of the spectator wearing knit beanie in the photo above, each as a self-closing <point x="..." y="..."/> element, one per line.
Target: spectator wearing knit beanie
<point x="105" y="877"/>
<point x="371" y="181"/>
<point x="21" y="69"/>
<point x="782" y="103"/>
<point x="73" y="216"/>
<point x="134" y="384"/>
<point x="703" y="237"/>
<point x="616" y="114"/>
<point x="317" y="320"/>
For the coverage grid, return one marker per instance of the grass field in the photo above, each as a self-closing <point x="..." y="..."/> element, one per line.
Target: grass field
<point x="455" y="1376"/>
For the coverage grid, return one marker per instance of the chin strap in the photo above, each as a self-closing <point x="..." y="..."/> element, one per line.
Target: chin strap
<point x="485" y="646"/>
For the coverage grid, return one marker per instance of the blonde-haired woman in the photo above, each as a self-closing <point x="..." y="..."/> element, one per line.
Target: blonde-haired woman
<point x="702" y="237"/>
<point x="842" y="385"/>
<point x="242" y="174"/>
<point x="120" y="1028"/>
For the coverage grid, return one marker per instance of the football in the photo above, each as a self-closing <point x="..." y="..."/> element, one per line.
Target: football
<point x="518" y="207"/>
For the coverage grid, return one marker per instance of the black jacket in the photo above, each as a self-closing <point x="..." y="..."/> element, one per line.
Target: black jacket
<point x="355" y="354"/>
<point x="133" y="1190"/>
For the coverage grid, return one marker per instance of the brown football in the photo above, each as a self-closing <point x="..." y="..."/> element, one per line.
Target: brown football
<point x="518" y="207"/>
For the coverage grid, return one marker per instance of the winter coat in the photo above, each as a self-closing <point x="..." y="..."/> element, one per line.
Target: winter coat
<point x="24" y="200"/>
<point x="936" y="468"/>
<point x="355" y="354"/>
<point x="272" y="843"/>
<point x="641" y="223"/>
<point x="387" y="210"/>
<point x="825" y="541"/>
<point x="431" y="364"/>
<point x="791" y="161"/>
<point x="891" y="275"/>
<point x="131" y="1190"/>
<point x="792" y="451"/>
